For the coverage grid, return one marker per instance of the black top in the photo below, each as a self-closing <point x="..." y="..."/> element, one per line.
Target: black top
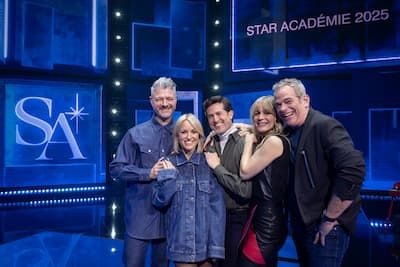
<point x="269" y="194"/>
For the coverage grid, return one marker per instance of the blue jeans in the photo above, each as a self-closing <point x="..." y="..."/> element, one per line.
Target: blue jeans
<point x="135" y="252"/>
<point x="316" y="255"/>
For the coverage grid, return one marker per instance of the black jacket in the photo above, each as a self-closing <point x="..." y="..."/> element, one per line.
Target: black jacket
<point x="237" y="190"/>
<point x="327" y="163"/>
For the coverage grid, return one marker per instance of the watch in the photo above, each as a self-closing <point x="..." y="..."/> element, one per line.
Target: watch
<point x="327" y="219"/>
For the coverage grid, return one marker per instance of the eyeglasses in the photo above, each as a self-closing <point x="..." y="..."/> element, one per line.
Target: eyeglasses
<point x="162" y="99"/>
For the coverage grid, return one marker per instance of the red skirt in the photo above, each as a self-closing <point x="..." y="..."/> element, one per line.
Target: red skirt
<point x="249" y="244"/>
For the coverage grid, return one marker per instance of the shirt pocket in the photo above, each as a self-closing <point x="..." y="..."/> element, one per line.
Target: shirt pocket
<point x="148" y="156"/>
<point x="205" y="189"/>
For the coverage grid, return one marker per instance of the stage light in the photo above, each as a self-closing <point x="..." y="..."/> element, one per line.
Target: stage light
<point x="217" y="22"/>
<point x="114" y="111"/>
<point x="117" y="60"/>
<point x="114" y="133"/>
<point x="215" y="87"/>
<point x="118" y="37"/>
<point x="216" y="44"/>
<point x="117" y="83"/>
<point x="217" y="1"/>
<point x="217" y="66"/>
<point x="118" y="14"/>
<point x="113" y="233"/>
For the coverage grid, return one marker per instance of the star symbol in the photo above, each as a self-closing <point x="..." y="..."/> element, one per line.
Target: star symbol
<point x="77" y="113"/>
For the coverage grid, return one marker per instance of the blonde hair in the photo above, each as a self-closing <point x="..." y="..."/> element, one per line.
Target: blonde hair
<point x="195" y="123"/>
<point x="267" y="103"/>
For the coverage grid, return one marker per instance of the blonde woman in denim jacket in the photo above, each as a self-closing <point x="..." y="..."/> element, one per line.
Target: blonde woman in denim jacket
<point x="192" y="199"/>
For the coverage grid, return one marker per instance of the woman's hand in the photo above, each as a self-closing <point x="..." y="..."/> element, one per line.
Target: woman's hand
<point x="166" y="164"/>
<point x="250" y="138"/>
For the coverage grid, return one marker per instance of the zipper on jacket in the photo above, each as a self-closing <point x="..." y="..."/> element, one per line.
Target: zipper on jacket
<point x="307" y="166"/>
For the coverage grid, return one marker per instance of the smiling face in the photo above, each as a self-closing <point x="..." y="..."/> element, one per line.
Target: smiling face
<point x="163" y="101"/>
<point x="291" y="108"/>
<point x="188" y="137"/>
<point x="218" y="118"/>
<point x="263" y="119"/>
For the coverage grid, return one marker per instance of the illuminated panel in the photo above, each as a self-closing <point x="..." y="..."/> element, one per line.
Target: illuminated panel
<point x="242" y="103"/>
<point x="189" y="53"/>
<point x="37" y="48"/>
<point x="148" y="54"/>
<point x="384" y="146"/>
<point x="52" y="134"/>
<point x="298" y="34"/>
<point x="53" y="34"/>
<point x="3" y="29"/>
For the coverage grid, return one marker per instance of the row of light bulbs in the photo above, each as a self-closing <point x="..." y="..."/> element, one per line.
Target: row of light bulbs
<point x="116" y="60"/>
<point x="216" y="44"/>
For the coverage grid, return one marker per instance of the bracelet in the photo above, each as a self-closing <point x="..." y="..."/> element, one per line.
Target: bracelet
<point x="327" y="219"/>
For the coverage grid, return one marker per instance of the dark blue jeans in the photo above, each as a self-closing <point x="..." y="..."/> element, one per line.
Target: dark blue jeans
<point x="135" y="252"/>
<point x="316" y="255"/>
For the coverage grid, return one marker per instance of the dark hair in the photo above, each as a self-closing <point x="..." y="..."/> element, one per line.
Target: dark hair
<point x="217" y="99"/>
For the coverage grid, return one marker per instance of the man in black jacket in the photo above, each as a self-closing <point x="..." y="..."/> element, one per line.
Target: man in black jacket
<point x="325" y="178"/>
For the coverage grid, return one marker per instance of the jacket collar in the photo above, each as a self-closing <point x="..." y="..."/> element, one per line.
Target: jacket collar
<point x="157" y="126"/>
<point x="181" y="159"/>
<point x="234" y="136"/>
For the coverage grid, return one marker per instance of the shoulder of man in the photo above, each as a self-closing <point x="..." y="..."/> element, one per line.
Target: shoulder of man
<point x="320" y="119"/>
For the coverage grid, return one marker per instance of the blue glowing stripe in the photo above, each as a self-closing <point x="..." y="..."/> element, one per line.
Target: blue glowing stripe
<point x="60" y="190"/>
<point x="53" y="202"/>
<point x="5" y="47"/>
<point x="233" y="37"/>
<point x="94" y="33"/>
<point x="378" y="197"/>
<point x="315" y="64"/>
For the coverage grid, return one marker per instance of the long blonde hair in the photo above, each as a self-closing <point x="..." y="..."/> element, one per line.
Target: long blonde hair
<point x="195" y="123"/>
<point x="267" y="103"/>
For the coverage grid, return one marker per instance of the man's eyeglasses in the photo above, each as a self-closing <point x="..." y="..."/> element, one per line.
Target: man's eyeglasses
<point x="162" y="99"/>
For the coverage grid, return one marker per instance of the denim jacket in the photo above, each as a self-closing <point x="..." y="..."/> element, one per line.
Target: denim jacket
<point x="195" y="219"/>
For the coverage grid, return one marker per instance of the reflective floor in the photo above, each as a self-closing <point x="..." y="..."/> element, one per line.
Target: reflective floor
<point x="91" y="235"/>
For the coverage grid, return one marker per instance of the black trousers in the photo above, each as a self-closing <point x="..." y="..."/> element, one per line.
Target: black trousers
<point x="235" y="221"/>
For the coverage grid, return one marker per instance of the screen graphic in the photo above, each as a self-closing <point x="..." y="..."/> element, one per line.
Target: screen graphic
<point x="285" y="34"/>
<point x="52" y="134"/>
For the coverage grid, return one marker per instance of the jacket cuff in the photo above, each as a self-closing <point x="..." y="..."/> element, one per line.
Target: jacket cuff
<point x="219" y="170"/>
<point x="166" y="174"/>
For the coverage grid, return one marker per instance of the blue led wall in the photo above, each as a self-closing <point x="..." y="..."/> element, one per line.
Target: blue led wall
<point x="278" y="34"/>
<point x="168" y="38"/>
<point x="51" y="34"/>
<point x="368" y="107"/>
<point x="52" y="133"/>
